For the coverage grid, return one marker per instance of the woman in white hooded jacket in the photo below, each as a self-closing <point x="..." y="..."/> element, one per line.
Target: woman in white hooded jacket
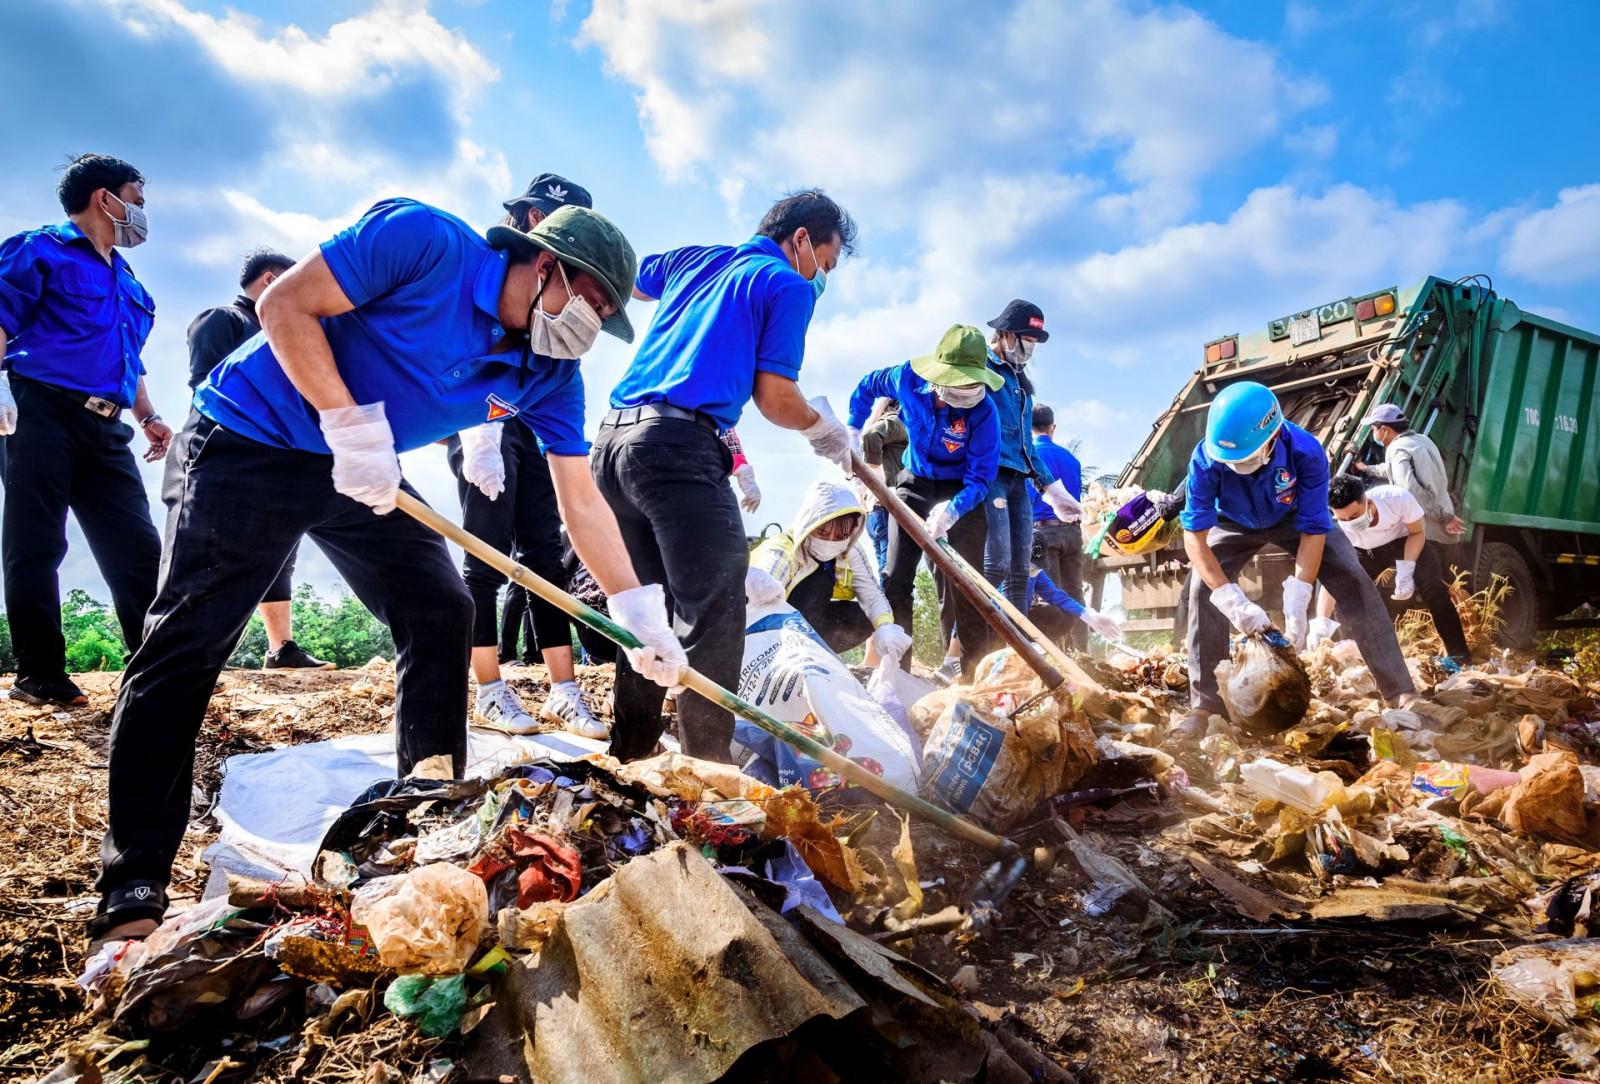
<point x="822" y="568"/>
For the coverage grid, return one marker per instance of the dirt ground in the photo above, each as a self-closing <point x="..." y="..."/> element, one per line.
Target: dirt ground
<point x="1200" y="995"/>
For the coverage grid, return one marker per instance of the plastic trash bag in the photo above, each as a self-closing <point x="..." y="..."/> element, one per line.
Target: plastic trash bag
<point x="1264" y="684"/>
<point x="429" y="920"/>
<point x="995" y="763"/>
<point x="791" y="674"/>
<point x="435" y="1004"/>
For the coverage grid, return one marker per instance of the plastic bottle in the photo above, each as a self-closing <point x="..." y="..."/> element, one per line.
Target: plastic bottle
<point x="1309" y="792"/>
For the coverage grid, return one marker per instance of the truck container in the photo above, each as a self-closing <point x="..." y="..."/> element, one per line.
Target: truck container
<point x="1509" y="397"/>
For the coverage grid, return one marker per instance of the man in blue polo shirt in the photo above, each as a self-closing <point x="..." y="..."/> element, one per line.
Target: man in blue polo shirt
<point x="950" y="462"/>
<point x="402" y="329"/>
<point x="73" y="323"/>
<point x="1055" y="521"/>
<point x="1258" y="480"/>
<point x="731" y="326"/>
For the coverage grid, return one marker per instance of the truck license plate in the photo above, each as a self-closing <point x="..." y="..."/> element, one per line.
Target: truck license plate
<point x="1304" y="329"/>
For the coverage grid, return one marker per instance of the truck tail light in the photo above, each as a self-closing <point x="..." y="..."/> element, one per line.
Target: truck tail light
<point x="1373" y="307"/>
<point x="1222" y="350"/>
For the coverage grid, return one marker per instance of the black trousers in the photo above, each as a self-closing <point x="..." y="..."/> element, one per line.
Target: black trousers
<point x="63" y="458"/>
<point x="1063" y="563"/>
<point x="667" y="482"/>
<point x="282" y="589"/>
<point x="957" y="615"/>
<point x="524" y="522"/>
<point x="243" y="507"/>
<point x="1053" y="621"/>
<point x="1433" y="591"/>
<point x="842" y="623"/>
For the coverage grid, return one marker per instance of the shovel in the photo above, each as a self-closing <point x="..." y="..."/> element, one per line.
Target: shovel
<point x="952" y="823"/>
<point x="962" y="575"/>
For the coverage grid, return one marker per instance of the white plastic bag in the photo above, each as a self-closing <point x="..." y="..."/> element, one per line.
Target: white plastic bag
<point x="429" y="919"/>
<point x="792" y="675"/>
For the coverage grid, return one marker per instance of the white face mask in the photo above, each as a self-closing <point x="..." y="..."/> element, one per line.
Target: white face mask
<point x="132" y="231"/>
<point x="963" y="398"/>
<point x="1252" y="463"/>
<point x="1019" y="355"/>
<point x="569" y="333"/>
<point x="1360" y="523"/>
<point x="824" y="549"/>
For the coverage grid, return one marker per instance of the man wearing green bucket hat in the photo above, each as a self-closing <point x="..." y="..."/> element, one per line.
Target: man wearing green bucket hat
<point x="400" y="330"/>
<point x="948" y="467"/>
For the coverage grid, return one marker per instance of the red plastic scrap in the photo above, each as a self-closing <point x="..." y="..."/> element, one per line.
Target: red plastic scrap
<point x="552" y="872"/>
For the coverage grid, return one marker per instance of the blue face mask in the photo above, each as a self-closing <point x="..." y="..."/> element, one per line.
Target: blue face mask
<point x="819" y="281"/>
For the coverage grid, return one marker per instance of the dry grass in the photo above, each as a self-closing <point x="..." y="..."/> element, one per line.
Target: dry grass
<point x="1480" y="619"/>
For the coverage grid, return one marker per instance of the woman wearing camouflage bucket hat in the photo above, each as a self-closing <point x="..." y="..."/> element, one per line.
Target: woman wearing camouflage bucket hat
<point x="948" y="467"/>
<point x="402" y="329"/>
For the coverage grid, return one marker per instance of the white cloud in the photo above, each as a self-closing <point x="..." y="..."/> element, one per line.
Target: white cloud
<point x="889" y="99"/>
<point x="1313" y="140"/>
<point x="1559" y="244"/>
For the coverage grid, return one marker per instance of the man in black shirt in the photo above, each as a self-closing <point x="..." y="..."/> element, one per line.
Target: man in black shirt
<point x="213" y="335"/>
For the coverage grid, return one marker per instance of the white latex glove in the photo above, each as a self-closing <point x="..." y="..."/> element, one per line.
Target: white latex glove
<point x="482" y="462"/>
<point x="1066" y="507"/>
<point x="643" y="612"/>
<point x="828" y="436"/>
<point x="892" y="641"/>
<point x="940" y="519"/>
<point x="8" y="407"/>
<point x="1107" y="628"/>
<point x="1243" y="614"/>
<point x="761" y="588"/>
<point x="1296" y="603"/>
<point x="745" y="477"/>
<point x="365" y="467"/>
<point x="1405" y="580"/>
<point x="1321" y="630"/>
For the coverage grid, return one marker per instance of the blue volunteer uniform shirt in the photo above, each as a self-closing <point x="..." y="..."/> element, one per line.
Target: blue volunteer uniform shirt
<point x="1062" y="465"/>
<point x="725" y="314"/>
<point x="1013" y="405"/>
<point x="1293" y="483"/>
<point x="946" y="442"/>
<point x="1040" y="585"/>
<point x="71" y="319"/>
<point x="426" y="289"/>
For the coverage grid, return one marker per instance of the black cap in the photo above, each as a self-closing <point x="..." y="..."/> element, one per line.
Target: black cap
<point x="1022" y="318"/>
<point x="548" y="191"/>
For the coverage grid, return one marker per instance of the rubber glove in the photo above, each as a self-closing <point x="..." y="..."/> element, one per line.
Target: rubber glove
<point x="892" y="641"/>
<point x="365" y="467"/>
<point x="1107" y="628"/>
<point x="8" y="407"/>
<point x="643" y="612"/>
<point x="482" y="462"/>
<point x="828" y="436"/>
<point x="1296" y="601"/>
<point x="1405" y="580"/>
<point x="761" y="588"/>
<point x="1320" y="631"/>
<point x="940" y="519"/>
<point x="744" y="475"/>
<point x="1243" y="614"/>
<point x="1066" y="507"/>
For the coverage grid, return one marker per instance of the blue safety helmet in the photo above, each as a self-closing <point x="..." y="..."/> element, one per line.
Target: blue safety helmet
<point x="1243" y="417"/>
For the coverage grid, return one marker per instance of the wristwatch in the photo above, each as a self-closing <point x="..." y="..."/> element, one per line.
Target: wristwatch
<point x="146" y="421"/>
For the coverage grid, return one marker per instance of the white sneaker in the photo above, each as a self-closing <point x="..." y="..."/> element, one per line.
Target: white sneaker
<point x="499" y="708"/>
<point x="566" y="709"/>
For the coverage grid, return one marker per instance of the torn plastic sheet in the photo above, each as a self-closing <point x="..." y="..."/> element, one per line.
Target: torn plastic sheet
<point x="275" y="807"/>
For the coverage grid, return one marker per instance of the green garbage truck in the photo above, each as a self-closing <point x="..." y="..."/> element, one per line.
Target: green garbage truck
<point x="1512" y="400"/>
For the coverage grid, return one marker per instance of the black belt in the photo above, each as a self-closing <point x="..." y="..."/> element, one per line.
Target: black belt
<point x="649" y="412"/>
<point x="94" y="404"/>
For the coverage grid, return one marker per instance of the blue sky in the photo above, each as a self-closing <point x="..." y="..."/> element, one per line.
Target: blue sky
<point x="1152" y="174"/>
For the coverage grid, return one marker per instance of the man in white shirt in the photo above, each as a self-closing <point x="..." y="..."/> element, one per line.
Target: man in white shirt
<point x="1385" y="524"/>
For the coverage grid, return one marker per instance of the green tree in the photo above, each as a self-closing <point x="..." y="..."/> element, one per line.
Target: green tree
<point x="927" y="637"/>
<point x="338" y="629"/>
<point x="8" y="657"/>
<point x="93" y="637"/>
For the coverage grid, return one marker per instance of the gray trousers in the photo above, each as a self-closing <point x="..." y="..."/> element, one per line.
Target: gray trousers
<point x="1362" y="614"/>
